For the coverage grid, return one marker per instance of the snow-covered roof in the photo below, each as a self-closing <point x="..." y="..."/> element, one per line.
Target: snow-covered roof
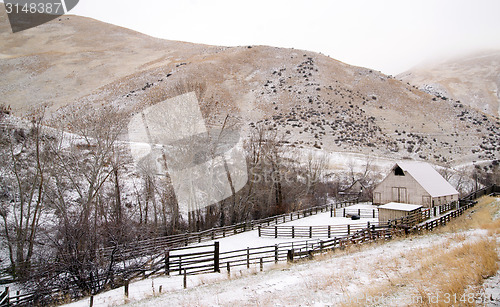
<point x="400" y="207"/>
<point x="428" y="178"/>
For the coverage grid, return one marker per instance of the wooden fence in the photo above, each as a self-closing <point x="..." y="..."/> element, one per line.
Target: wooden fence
<point x="159" y="244"/>
<point x="348" y="212"/>
<point x="4" y="297"/>
<point x="494" y="189"/>
<point x="328" y="231"/>
<point x="384" y="232"/>
<point x="208" y="258"/>
<point x="155" y="252"/>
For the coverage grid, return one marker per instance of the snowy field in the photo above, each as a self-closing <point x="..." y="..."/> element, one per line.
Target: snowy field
<point x="252" y="239"/>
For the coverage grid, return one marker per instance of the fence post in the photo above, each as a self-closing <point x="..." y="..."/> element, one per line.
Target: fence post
<point x="310" y="231"/>
<point x="293" y="232"/>
<point x="91" y="304"/>
<point x="216" y="257"/>
<point x="373" y="213"/>
<point x="344" y="212"/>
<point x="359" y="212"/>
<point x="289" y="255"/>
<point x="261" y="264"/>
<point x="331" y="211"/>
<point x="248" y="257"/>
<point x="275" y="231"/>
<point x="126" y="288"/>
<point x="329" y="231"/>
<point x="348" y="229"/>
<point x="228" y="269"/>
<point x="167" y="262"/>
<point x="368" y="225"/>
<point x="259" y="229"/>
<point x="185" y="279"/>
<point x="276" y="253"/>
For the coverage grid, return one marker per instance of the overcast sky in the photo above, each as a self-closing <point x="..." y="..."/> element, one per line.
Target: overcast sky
<point x="391" y="36"/>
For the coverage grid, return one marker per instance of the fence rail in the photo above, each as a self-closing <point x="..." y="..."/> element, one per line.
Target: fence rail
<point x="349" y="212"/>
<point x="157" y="245"/>
<point x="327" y="231"/>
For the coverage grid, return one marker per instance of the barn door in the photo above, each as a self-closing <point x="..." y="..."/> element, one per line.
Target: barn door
<point x="399" y="195"/>
<point x="402" y="195"/>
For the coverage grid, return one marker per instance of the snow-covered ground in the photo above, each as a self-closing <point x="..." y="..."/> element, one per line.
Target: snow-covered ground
<point x="346" y="277"/>
<point x="252" y="239"/>
<point x="330" y="281"/>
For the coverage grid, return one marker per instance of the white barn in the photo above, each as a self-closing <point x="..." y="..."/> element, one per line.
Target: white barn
<point x="414" y="183"/>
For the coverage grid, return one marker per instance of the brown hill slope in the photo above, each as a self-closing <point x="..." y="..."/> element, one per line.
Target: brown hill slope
<point x="312" y="99"/>
<point x="474" y="80"/>
<point x="71" y="57"/>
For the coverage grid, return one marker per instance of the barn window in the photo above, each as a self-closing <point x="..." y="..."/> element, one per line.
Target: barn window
<point x="398" y="171"/>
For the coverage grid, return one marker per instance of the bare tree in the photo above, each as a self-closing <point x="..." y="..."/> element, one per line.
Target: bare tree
<point x="86" y="164"/>
<point x="25" y="167"/>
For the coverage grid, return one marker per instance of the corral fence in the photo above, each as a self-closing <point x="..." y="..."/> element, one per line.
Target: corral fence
<point x="209" y="258"/>
<point x="152" y="257"/>
<point x="350" y="212"/>
<point x="159" y="244"/>
<point x="327" y="231"/>
<point x="391" y="229"/>
<point x="491" y="190"/>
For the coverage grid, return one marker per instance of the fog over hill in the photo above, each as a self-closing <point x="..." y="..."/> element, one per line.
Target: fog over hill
<point x="314" y="100"/>
<point x="473" y="79"/>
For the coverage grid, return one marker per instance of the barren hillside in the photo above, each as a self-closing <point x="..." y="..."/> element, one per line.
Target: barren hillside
<point x="474" y="80"/>
<point x="313" y="99"/>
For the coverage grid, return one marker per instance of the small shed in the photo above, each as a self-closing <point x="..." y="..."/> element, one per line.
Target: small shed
<point x="356" y="191"/>
<point x="397" y="211"/>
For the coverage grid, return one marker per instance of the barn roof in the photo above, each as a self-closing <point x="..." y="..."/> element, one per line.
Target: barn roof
<point x="428" y="178"/>
<point x="400" y="207"/>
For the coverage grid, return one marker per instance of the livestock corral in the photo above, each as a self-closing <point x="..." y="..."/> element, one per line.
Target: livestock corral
<point x="284" y="238"/>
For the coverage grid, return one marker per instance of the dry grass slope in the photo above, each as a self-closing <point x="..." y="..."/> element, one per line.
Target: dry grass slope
<point x="452" y="274"/>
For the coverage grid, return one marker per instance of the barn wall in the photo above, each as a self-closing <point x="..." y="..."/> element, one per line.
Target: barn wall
<point x="444" y="199"/>
<point x="414" y="192"/>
